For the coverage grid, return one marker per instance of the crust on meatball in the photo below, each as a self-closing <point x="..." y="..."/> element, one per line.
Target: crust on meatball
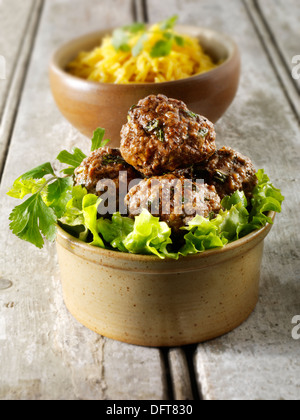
<point x="176" y="200"/>
<point x="102" y="165"/>
<point x="229" y="171"/>
<point x="162" y="135"/>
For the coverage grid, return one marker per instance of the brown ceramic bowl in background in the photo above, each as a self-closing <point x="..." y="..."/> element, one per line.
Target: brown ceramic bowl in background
<point x="88" y="105"/>
<point x="147" y="301"/>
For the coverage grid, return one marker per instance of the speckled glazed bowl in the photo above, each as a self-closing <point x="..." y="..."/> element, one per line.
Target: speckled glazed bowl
<point x="146" y="301"/>
<point x="88" y="105"/>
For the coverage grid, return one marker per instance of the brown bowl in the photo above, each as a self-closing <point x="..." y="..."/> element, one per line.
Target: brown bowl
<point x="147" y="301"/>
<point x="88" y="105"/>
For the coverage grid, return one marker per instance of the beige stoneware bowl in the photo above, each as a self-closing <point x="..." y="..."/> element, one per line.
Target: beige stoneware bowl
<point x="146" y="301"/>
<point x="88" y="105"/>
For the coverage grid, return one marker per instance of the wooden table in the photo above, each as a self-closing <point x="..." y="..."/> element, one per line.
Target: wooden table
<point x="44" y="352"/>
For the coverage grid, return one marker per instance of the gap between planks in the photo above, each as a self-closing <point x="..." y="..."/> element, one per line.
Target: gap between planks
<point x="140" y="11"/>
<point x="17" y="82"/>
<point x="274" y="55"/>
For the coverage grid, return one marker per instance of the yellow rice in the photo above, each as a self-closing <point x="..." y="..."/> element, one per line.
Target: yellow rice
<point x="106" y="64"/>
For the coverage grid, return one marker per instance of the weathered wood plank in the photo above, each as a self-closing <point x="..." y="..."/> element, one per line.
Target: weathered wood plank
<point x="14" y="19"/>
<point x="259" y="360"/>
<point x="180" y="376"/>
<point x="17" y="27"/>
<point x="282" y="18"/>
<point x="286" y="71"/>
<point x="44" y="352"/>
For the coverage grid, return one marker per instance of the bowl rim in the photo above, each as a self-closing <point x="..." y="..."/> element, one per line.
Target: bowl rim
<point x="202" y="76"/>
<point x="76" y="243"/>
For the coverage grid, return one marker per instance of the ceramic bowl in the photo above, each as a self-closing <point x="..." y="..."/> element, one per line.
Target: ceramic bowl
<point x="146" y="301"/>
<point x="88" y="105"/>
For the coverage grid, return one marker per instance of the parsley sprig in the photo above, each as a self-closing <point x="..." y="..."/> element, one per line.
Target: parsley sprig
<point x="49" y="193"/>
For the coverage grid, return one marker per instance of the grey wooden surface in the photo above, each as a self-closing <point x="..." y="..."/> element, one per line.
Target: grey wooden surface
<point x="282" y="19"/>
<point x="44" y="352"/>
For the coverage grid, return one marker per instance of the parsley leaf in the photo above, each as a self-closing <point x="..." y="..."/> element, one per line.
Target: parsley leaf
<point x="21" y="188"/>
<point x="120" y="40"/>
<point x="162" y="48"/>
<point x="97" y="140"/>
<point x="135" y="28"/>
<point x="138" y="48"/>
<point x="32" y="219"/>
<point x="73" y="159"/>
<point x="179" y="40"/>
<point x="169" y="23"/>
<point x="38" y="172"/>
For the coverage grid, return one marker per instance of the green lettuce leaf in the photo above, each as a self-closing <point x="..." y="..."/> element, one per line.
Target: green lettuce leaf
<point x="90" y="204"/>
<point x="265" y="198"/>
<point x="149" y="236"/>
<point x="236" y="198"/>
<point x="73" y="215"/>
<point x="203" y="235"/>
<point x="233" y="221"/>
<point x="73" y="219"/>
<point x="115" y="231"/>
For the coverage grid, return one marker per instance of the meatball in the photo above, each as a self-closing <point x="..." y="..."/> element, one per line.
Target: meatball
<point x="162" y="135"/>
<point x="176" y="200"/>
<point x="102" y="165"/>
<point x="228" y="171"/>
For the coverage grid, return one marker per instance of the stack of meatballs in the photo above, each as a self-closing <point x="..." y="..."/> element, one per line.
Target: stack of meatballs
<point x="162" y="143"/>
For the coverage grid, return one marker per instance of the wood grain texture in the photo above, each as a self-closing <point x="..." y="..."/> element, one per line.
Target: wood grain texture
<point x="18" y="23"/>
<point x="44" y="352"/>
<point x="14" y="18"/>
<point x="285" y="70"/>
<point x="282" y="19"/>
<point x="260" y="359"/>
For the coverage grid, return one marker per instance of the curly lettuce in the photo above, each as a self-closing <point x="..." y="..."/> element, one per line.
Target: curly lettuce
<point x="54" y="200"/>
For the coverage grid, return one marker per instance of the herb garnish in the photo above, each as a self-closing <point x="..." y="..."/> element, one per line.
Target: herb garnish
<point x="97" y="140"/>
<point x="50" y="193"/>
<point x="203" y="132"/>
<point x="153" y="127"/>
<point x="38" y="215"/>
<point x="160" y="134"/>
<point x="110" y="159"/>
<point x="190" y="114"/>
<point x="163" y="47"/>
<point x="220" y="177"/>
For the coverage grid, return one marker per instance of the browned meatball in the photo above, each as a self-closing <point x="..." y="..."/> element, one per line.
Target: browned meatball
<point x="103" y="164"/>
<point x="176" y="200"/>
<point x="228" y="171"/>
<point x="162" y="135"/>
